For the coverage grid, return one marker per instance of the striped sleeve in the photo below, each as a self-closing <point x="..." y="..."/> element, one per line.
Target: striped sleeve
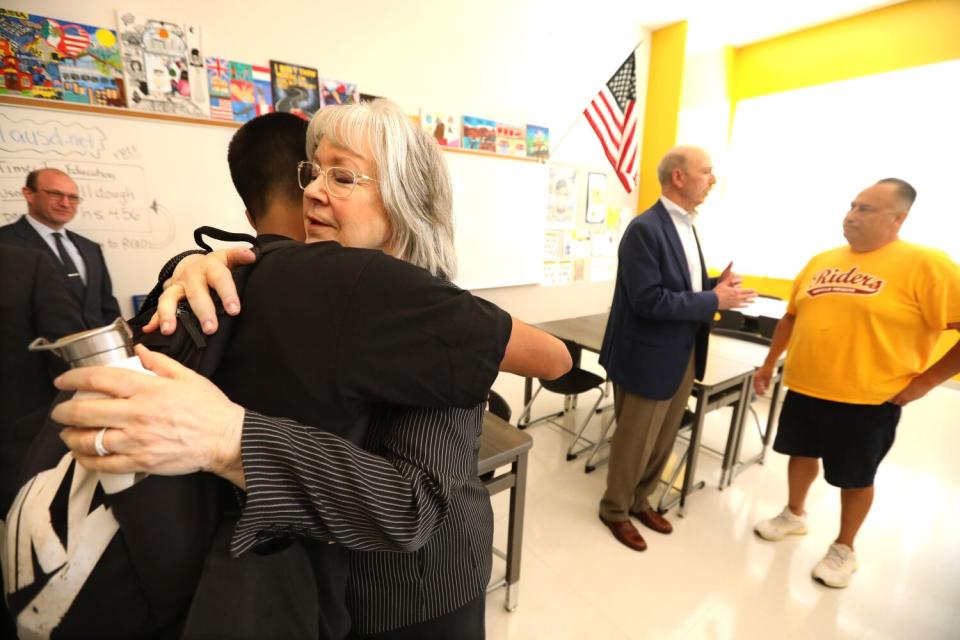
<point x="302" y="481"/>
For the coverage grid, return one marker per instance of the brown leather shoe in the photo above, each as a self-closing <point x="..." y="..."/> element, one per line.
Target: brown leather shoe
<point x="626" y="533"/>
<point x="653" y="520"/>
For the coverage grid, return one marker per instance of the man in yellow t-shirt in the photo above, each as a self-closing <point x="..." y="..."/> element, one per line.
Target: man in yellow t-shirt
<point x="861" y="326"/>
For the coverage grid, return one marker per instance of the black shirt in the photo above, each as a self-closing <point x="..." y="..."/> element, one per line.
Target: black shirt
<point x="325" y="333"/>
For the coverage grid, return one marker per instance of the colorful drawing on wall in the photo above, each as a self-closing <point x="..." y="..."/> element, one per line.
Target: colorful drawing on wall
<point x="241" y="91"/>
<point x="444" y="127"/>
<point x="510" y="140"/>
<point x="538" y="142"/>
<point x="218" y="74"/>
<point x="479" y="134"/>
<point x="163" y="66"/>
<point x="336" y="92"/>
<point x="262" y="90"/>
<point x="295" y="89"/>
<point x="58" y="60"/>
<point x="596" y="197"/>
<point x="562" y="197"/>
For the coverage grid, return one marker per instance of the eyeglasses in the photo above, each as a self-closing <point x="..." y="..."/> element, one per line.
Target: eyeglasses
<point x="53" y="194"/>
<point x="340" y="182"/>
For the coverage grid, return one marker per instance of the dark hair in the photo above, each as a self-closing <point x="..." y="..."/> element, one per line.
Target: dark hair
<point x="263" y="157"/>
<point x="905" y="190"/>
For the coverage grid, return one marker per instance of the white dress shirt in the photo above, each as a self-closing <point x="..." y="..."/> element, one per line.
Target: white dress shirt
<point x="683" y="221"/>
<point x="47" y="234"/>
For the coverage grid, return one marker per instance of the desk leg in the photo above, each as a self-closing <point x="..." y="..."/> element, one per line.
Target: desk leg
<point x="772" y="415"/>
<point x="515" y="532"/>
<point x="737" y="426"/>
<point x="695" y="431"/>
<point x="527" y="390"/>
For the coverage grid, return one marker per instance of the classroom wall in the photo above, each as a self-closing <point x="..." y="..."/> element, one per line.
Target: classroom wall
<point x="527" y="62"/>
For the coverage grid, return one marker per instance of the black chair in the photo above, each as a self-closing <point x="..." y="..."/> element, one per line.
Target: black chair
<point x="569" y="385"/>
<point x="498" y="406"/>
<point x="766" y="326"/>
<point x="729" y="319"/>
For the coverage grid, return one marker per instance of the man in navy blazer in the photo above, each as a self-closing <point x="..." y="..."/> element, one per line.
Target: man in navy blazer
<point x="656" y="338"/>
<point x="52" y="201"/>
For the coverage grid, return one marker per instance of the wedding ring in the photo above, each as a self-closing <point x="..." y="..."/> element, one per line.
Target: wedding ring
<point x="98" y="443"/>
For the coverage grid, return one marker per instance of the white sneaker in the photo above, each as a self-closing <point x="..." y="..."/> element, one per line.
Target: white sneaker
<point x="837" y="566"/>
<point x="785" y="524"/>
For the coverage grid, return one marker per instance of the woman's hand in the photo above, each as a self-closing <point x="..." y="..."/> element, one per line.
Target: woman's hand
<point x="174" y="423"/>
<point x="193" y="278"/>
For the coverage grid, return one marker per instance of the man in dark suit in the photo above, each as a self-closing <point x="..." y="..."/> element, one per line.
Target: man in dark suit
<point x="52" y="201"/>
<point x="35" y="302"/>
<point x="656" y="338"/>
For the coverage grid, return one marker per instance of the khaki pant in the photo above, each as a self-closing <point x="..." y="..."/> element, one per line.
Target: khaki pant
<point x="641" y="446"/>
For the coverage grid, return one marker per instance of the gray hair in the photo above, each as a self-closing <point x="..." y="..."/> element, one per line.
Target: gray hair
<point x="675" y="158"/>
<point x="411" y="174"/>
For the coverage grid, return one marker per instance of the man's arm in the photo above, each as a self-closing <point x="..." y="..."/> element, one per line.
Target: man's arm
<point x="939" y="372"/>
<point x="650" y="297"/>
<point x="781" y="338"/>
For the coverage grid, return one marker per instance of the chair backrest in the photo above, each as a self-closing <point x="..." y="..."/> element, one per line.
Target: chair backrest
<point x="498" y="406"/>
<point x="755" y="338"/>
<point x="766" y="326"/>
<point x="729" y="319"/>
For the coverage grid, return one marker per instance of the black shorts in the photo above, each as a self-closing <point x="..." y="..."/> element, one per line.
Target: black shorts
<point x="852" y="439"/>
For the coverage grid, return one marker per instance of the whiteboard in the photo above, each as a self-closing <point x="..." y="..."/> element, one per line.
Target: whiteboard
<point x="499" y="208"/>
<point x="147" y="184"/>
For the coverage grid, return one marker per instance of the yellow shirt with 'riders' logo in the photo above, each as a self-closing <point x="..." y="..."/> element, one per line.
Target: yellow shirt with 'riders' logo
<point x="866" y="323"/>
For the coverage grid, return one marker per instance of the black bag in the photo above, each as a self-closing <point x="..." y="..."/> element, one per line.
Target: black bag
<point x="254" y="596"/>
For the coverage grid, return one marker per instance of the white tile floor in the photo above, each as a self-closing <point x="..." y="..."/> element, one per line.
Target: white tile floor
<point x="713" y="578"/>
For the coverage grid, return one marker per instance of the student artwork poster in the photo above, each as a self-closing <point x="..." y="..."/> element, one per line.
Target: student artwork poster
<point x="336" y="92"/>
<point x="479" y="134"/>
<point x="218" y="74"/>
<point x="596" y="197"/>
<point x="562" y="199"/>
<point x="538" y="142"/>
<point x="510" y="141"/>
<point x="295" y="88"/>
<point x="60" y="60"/>
<point x="241" y="91"/>
<point x="163" y="66"/>
<point x="444" y="127"/>
<point x="262" y="91"/>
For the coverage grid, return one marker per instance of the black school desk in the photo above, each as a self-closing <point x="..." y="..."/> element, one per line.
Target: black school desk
<point x="500" y="445"/>
<point x="725" y="383"/>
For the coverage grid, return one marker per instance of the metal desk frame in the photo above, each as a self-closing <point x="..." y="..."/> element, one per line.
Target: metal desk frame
<point x="502" y="444"/>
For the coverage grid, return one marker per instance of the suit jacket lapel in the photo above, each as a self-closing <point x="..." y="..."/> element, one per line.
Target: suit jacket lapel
<point x="674" y="241"/>
<point x="33" y="239"/>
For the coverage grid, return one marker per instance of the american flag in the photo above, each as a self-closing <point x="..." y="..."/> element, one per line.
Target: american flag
<point x="612" y="114"/>
<point x="221" y="109"/>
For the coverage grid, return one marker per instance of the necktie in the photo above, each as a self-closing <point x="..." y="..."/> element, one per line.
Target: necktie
<point x="73" y="275"/>
<point x="696" y="239"/>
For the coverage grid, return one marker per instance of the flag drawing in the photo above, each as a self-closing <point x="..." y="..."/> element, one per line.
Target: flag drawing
<point x="612" y="114"/>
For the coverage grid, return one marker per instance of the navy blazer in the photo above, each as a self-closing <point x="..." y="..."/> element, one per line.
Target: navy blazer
<point x="656" y="318"/>
<point x="99" y="305"/>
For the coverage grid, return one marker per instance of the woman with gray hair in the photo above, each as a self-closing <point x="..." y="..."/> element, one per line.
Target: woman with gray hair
<point x="419" y="567"/>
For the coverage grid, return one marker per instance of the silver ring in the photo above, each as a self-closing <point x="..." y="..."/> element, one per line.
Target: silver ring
<point x="98" y="443"/>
